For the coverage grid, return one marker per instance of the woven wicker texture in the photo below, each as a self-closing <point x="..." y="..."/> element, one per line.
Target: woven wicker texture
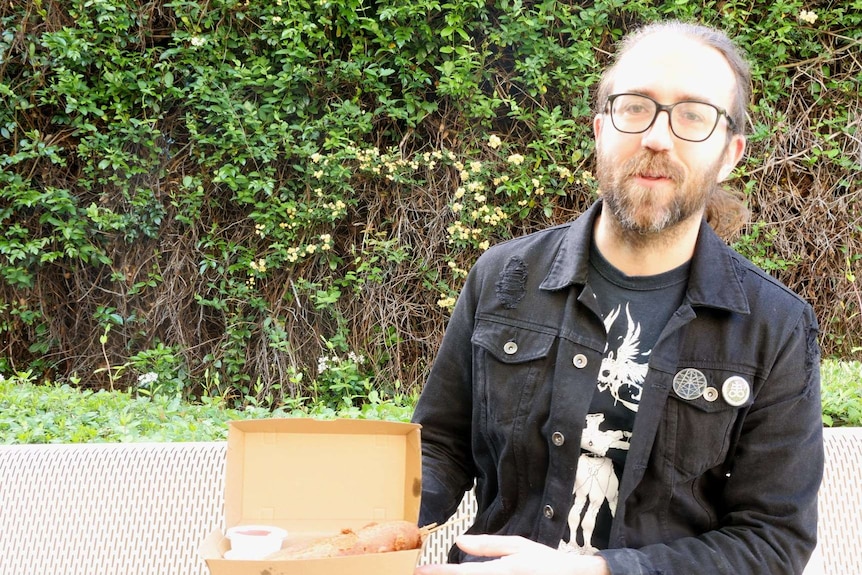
<point x="441" y="540"/>
<point x="840" y="503"/>
<point x="108" y="508"/>
<point x="144" y="509"/>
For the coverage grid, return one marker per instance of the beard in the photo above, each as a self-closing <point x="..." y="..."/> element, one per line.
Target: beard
<point x="643" y="213"/>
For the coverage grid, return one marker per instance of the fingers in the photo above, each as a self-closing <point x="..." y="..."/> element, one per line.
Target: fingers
<point x="495" y="545"/>
<point x="508" y="550"/>
<point x="452" y="569"/>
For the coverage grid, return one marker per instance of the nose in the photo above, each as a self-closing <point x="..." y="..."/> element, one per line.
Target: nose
<point x="659" y="136"/>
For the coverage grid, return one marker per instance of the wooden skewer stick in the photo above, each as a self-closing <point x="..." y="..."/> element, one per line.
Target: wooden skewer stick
<point x="432" y="527"/>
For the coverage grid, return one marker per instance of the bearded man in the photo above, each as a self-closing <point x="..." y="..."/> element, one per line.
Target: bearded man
<point x="710" y="387"/>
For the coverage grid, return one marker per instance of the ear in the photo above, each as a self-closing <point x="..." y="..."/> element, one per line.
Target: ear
<point x="597" y="128"/>
<point x="732" y="155"/>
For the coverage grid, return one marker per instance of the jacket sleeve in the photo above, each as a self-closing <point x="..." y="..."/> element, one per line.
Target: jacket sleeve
<point x="444" y="411"/>
<point x="767" y="512"/>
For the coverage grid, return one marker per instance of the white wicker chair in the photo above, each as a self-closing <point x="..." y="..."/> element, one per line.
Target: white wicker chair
<point x="144" y="508"/>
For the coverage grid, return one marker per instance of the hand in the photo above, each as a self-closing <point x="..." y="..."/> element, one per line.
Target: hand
<point x="517" y="556"/>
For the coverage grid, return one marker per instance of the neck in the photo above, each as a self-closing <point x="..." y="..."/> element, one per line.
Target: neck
<point x="637" y="254"/>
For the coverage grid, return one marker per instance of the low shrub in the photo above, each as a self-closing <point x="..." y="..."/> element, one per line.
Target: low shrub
<point x="29" y="411"/>
<point x="842" y="393"/>
<point x="49" y="413"/>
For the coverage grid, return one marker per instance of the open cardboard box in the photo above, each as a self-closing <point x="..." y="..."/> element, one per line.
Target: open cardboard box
<point x="314" y="478"/>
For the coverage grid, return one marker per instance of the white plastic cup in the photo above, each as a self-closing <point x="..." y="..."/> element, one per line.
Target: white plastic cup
<point x="254" y="541"/>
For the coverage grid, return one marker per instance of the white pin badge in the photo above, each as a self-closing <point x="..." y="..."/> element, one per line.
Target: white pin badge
<point x="735" y="391"/>
<point x="689" y="383"/>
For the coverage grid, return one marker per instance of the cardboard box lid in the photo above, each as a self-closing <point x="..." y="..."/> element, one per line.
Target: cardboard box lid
<point x="311" y="475"/>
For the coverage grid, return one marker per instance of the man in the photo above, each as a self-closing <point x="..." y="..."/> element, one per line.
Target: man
<point x="629" y="395"/>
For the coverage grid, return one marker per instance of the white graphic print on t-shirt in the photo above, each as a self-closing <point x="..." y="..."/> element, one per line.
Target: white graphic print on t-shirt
<point x="622" y="374"/>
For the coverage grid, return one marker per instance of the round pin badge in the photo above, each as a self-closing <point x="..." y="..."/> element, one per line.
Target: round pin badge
<point x="735" y="391"/>
<point x="689" y="383"/>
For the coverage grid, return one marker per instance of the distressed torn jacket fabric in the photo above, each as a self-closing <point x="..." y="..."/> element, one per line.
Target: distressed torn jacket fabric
<point x="708" y="487"/>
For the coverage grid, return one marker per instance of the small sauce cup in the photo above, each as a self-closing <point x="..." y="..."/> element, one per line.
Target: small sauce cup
<point x="254" y="541"/>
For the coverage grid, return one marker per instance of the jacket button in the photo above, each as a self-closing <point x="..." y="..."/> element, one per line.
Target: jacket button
<point x="548" y="512"/>
<point x="580" y="361"/>
<point x="558" y="438"/>
<point x="510" y="347"/>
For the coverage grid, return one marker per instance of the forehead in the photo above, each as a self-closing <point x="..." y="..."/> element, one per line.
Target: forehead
<point x="671" y="67"/>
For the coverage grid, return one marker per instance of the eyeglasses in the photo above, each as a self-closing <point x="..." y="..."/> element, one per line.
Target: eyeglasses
<point x="689" y="120"/>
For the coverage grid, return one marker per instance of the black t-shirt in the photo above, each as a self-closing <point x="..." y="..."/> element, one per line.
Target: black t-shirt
<point x="635" y="311"/>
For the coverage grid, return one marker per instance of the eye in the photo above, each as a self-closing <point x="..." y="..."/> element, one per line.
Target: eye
<point x="694" y="113"/>
<point x="634" y="109"/>
<point x="692" y="117"/>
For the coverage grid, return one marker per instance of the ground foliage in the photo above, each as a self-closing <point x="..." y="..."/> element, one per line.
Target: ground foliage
<point x="276" y="202"/>
<point x="29" y="414"/>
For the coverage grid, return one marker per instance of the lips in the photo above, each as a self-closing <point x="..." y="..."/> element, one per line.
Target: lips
<point x="654" y="176"/>
<point x="652" y="166"/>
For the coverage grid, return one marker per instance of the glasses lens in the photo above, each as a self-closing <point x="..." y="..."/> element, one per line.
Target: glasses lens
<point x="632" y="114"/>
<point x="693" y="120"/>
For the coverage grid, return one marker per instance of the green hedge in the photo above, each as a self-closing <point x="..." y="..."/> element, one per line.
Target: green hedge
<point x="31" y="413"/>
<point x="277" y="202"/>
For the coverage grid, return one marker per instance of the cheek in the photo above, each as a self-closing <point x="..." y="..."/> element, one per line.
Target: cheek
<point x="617" y="146"/>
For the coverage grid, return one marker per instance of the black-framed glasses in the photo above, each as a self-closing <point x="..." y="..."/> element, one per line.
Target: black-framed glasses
<point x="690" y="120"/>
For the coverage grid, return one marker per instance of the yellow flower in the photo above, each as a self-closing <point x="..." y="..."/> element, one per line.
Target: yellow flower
<point x="515" y="159"/>
<point x="446" y="302"/>
<point x="494" y="142"/>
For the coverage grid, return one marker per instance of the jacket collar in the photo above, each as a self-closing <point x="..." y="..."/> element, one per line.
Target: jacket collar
<point x="714" y="280"/>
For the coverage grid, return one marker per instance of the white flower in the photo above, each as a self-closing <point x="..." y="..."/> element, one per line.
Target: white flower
<point x="807" y="16"/>
<point x="197" y="41"/>
<point x="494" y="142"/>
<point x="516" y="159"/>
<point x="147" y="378"/>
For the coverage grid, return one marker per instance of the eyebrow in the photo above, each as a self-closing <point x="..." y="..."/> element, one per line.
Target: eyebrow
<point x="688" y="96"/>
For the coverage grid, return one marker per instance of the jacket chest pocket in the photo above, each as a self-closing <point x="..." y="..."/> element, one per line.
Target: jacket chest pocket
<point x="509" y="363"/>
<point x="699" y="430"/>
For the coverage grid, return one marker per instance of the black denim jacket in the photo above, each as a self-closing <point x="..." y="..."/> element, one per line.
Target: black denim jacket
<point x="708" y="487"/>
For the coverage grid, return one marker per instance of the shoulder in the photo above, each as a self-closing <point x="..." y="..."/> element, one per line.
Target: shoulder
<point x="533" y="248"/>
<point x="766" y="293"/>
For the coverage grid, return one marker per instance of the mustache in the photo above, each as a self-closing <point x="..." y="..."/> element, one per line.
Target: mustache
<point x="649" y="163"/>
